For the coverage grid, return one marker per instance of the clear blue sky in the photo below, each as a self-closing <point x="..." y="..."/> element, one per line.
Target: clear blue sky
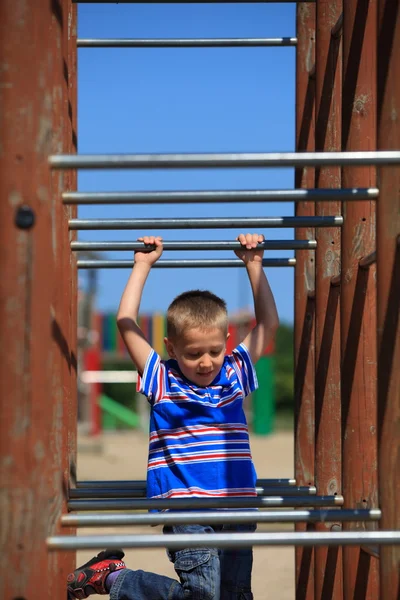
<point x="187" y="100"/>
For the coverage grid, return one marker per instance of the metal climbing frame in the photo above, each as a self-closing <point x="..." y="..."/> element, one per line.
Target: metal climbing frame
<point x="347" y="298"/>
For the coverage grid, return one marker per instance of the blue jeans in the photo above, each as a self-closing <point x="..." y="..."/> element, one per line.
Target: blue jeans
<point x="204" y="573"/>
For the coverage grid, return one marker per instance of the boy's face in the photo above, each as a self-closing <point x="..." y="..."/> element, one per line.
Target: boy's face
<point x="200" y="354"/>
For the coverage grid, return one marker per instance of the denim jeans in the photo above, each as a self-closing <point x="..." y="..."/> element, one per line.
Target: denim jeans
<point x="204" y="573"/>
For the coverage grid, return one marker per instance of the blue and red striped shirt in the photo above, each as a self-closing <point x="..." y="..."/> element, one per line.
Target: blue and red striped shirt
<point x="199" y="440"/>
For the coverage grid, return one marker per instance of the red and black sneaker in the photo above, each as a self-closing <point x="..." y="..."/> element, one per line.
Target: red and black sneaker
<point x="91" y="577"/>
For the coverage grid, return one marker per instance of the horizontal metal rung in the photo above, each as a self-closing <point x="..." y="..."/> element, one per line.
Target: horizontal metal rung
<point x="368" y="260"/>
<point x="208" y="196"/>
<point x="223" y="540"/>
<point x="185" y="263"/>
<point x="221" y="517"/>
<point x="141" y="483"/>
<point x="201" y="503"/>
<point x="337" y="29"/>
<point x="187" y="1"/>
<point x="194" y="245"/>
<point x="141" y="492"/>
<point x="186" y="43"/>
<point x="205" y="223"/>
<point x="223" y="161"/>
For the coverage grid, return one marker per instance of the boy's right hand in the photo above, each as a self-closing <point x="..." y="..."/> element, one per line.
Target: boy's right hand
<point x="152" y="256"/>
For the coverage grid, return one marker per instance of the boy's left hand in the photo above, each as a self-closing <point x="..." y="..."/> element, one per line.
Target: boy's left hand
<point x="248" y="253"/>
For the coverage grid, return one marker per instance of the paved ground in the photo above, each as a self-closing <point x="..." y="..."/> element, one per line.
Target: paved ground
<point x="123" y="456"/>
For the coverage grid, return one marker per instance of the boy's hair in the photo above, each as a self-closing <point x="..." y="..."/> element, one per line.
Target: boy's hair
<point x="196" y="309"/>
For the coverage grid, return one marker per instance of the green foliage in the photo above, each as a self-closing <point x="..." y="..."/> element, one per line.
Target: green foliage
<point x="284" y="367"/>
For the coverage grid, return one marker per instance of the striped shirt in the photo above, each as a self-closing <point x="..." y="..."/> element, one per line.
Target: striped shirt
<point x="199" y="440"/>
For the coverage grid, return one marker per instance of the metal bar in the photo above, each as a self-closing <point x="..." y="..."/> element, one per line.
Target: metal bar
<point x="368" y="260"/>
<point x="192" y="503"/>
<point x="373" y="551"/>
<point x="205" y="223"/>
<point x="335" y="281"/>
<point x="187" y="1"/>
<point x="337" y="29"/>
<point x="328" y="443"/>
<point x="223" y="161"/>
<point x="388" y="300"/>
<point x="142" y="483"/>
<point x="187" y="43"/>
<point x="358" y="291"/>
<point x="304" y="309"/>
<point x="208" y="196"/>
<point x="141" y="492"/>
<point x="221" y="540"/>
<point x="219" y="517"/>
<point x="185" y="263"/>
<point x="194" y="245"/>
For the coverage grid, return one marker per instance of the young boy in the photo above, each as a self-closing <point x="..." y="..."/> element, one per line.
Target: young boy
<point x="199" y="442"/>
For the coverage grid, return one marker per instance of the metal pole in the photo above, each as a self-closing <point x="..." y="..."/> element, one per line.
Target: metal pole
<point x="187" y="43"/>
<point x="388" y="272"/>
<point x="184" y="263"/>
<point x="337" y="29"/>
<point x="219" y="517"/>
<point x="141" y="492"/>
<point x="194" y="245"/>
<point x="224" y="161"/>
<point x="221" y="540"/>
<point x="142" y="483"/>
<point x="304" y="343"/>
<point x="328" y="450"/>
<point x="358" y="292"/>
<point x="205" y="223"/>
<point x="185" y="1"/>
<point x="208" y="196"/>
<point x="192" y="503"/>
<point x="37" y="286"/>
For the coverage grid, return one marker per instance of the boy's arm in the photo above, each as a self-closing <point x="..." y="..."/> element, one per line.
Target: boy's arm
<point x="135" y="341"/>
<point x="267" y="320"/>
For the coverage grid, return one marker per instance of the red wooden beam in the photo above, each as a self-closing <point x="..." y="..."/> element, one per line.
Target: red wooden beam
<point x="388" y="271"/>
<point x="328" y="448"/>
<point x="358" y="291"/>
<point x="37" y="358"/>
<point x="304" y="289"/>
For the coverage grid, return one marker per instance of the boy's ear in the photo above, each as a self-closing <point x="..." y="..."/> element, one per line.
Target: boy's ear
<point x="169" y="347"/>
<point x="228" y="335"/>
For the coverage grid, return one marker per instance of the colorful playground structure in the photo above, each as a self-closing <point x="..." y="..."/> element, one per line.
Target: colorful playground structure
<point x="347" y="302"/>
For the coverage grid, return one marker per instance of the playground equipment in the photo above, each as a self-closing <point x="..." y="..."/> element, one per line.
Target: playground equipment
<point x="347" y="326"/>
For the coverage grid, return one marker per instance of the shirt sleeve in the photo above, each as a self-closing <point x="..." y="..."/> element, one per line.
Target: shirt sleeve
<point x="244" y="368"/>
<point x="152" y="383"/>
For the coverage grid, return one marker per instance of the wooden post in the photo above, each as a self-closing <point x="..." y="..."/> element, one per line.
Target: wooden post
<point x="358" y="292"/>
<point x="388" y="271"/>
<point x="37" y="296"/>
<point x="328" y="448"/>
<point x="304" y="346"/>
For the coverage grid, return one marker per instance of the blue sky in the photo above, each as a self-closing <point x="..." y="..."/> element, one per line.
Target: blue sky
<point x="187" y="100"/>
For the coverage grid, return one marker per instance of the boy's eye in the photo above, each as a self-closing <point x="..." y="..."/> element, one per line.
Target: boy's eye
<point x="193" y="354"/>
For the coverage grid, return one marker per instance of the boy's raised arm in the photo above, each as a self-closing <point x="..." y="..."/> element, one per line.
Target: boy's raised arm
<point x="267" y="320"/>
<point x="135" y="341"/>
